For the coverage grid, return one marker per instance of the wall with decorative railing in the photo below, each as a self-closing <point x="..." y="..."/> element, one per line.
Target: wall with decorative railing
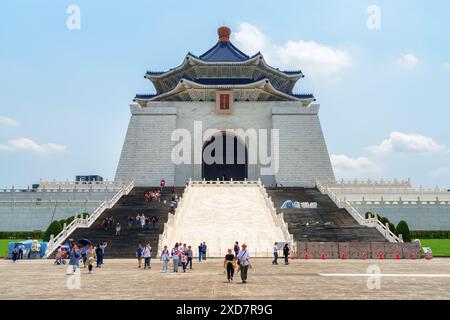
<point x="373" y="222"/>
<point x="80" y="222"/>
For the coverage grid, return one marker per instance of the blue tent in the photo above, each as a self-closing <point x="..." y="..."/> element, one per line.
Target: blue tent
<point x="288" y="204"/>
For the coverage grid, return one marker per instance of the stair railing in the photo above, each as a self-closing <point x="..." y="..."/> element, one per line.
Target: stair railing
<point x="277" y="218"/>
<point x="373" y="222"/>
<point x="81" y="222"/>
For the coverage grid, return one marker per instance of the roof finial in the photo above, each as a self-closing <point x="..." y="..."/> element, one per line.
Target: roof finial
<point x="224" y="34"/>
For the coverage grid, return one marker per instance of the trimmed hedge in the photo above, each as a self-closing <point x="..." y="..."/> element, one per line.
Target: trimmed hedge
<point x="54" y="228"/>
<point x="430" y="234"/>
<point x="403" y="229"/>
<point x="21" y="234"/>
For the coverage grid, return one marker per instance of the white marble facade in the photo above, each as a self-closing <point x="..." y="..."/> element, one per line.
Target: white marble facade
<point x="146" y="153"/>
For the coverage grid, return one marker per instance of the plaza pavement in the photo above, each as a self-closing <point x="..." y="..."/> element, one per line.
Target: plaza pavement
<point x="312" y="279"/>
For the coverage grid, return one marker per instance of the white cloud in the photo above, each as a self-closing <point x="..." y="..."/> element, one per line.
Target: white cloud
<point x="345" y="166"/>
<point x="408" y="61"/>
<point x="10" y="122"/>
<point x="30" y="145"/>
<point x="312" y="57"/>
<point x="407" y="143"/>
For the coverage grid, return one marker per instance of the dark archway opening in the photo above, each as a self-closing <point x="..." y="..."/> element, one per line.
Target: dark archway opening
<point x="235" y="168"/>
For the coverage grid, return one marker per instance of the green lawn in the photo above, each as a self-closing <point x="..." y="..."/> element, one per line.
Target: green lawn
<point x="440" y="247"/>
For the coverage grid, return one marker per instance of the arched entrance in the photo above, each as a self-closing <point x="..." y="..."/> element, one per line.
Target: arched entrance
<point x="230" y="158"/>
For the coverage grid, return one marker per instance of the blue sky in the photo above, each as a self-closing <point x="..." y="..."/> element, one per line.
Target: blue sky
<point x="384" y="94"/>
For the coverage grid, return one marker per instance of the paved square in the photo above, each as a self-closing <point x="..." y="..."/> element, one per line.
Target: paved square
<point x="312" y="279"/>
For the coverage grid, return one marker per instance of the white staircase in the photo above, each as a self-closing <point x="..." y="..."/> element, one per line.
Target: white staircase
<point x="222" y="212"/>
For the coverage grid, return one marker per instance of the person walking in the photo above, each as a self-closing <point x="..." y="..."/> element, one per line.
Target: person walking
<point x="91" y="256"/>
<point x="15" y="253"/>
<point x="175" y="258"/>
<point x="229" y="264"/>
<point x="190" y="255"/>
<point x="200" y="252"/>
<point x="286" y="254"/>
<point x="101" y="253"/>
<point x="147" y="254"/>
<point x="165" y="257"/>
<point x="75" y="256"/>
<point x="204" y="248"/>
<point x="275" y="253"/>
<point x="184" y="261"/>
<point x="130" y="222"/>
<point x="236" y="249"/>
<point x="139" y="251"/>
<point x="118" y="228"/>
<point x="244" y="262"/>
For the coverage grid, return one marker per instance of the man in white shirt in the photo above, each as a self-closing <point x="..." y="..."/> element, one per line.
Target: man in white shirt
<point x="244" y="262"/>
<point x="147" y="254"/>
<point x="275" y="253"/>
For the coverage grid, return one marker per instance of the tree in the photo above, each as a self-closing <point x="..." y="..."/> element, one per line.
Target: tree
<point x="384" y="220"/>
<point x="403" y="229"/>
<point x="369" y="215"/>
<point x="54" y="228"/>
<point x="392" y="227"/>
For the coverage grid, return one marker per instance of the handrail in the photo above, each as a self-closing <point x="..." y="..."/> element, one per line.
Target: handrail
<point x="80" y="222"/>
<point x="371" y="222"/>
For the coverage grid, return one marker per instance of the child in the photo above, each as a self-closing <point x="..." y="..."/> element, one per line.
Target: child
<point x="184" y="261"/>
<point x="139" y="251"/>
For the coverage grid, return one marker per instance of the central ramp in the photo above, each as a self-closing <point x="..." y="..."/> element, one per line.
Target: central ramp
<point x="220" y="213"/>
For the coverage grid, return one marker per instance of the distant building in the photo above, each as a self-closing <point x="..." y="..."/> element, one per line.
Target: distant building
<point x="88" y="178"/>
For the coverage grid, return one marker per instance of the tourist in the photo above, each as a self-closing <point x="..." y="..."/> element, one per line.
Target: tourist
<point x="118" y="228"/>
<point x="147" y="254"/>
<point x="204" y="248"/>
<point x="190" y="255"/>
<point x="137" y="221"/>
<point x="165" y="257"/>
<point x="275" y="253"/>
<point x="75" y="256"/>
<point x="59" y="257"/>
<point x="141" y="222"/>
<point x="229" y="264"/>
<point x="244" y="262"/>
<point x="163" y="183"/>
<point x="20" y="253"/>
<point x="15" y="253"/>
<point x="184" y="261"/>
<point x="101" y="253"/>
<point x="175" y="258"/>
<point x="286" y="254"/>
<point x="139" y="251"/>
<point x="147" y="224"/>
<point x="91" y="257"/>
<point x="154" y="220"/>
<point x="236" y="249"/>
<point x="130" y="222"/>
<point x="83" y="255"/>
<point x="200" y="252"/>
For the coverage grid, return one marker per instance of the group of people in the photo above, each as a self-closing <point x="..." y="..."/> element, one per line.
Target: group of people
<point x="240" y="260"/>
<point x="141" y="222"/>
<point x="86" y="253"/>
<point x="17" y="252"/>
<point x="286" y="252"/>
<point x="153" y="195"/>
